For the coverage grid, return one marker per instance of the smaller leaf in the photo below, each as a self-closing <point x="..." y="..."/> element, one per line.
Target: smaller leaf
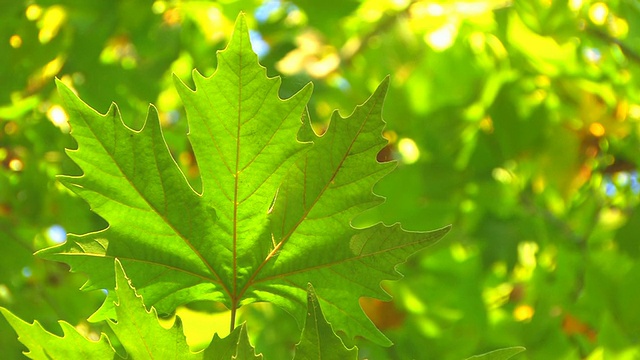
<point x="139" y="331"/>
<point x="235" y="346"/>
<point x="318" y="339"/>
<point x="45" y="345"/>
<point x="245" y="350"/>
<point x="501" y="354"/>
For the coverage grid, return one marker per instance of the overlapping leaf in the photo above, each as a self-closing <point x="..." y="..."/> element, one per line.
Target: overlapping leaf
<point x="142" y="337"/>
<point x="318" y="340"/>
<point x="45" y="345"/>
<point x="275" y="209"/>
<point x="138" y="331"/>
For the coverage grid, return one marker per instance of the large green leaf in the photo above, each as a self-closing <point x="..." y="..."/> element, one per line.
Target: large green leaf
<point x="275" y="209"/>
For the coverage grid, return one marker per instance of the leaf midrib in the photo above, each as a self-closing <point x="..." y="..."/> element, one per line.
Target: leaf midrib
<point x="234" y="298"/>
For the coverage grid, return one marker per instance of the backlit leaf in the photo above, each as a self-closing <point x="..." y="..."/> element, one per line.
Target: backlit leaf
<point x="275" y="209"/>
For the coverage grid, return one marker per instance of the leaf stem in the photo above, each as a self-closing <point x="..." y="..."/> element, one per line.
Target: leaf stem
<point x="234" y="308"/>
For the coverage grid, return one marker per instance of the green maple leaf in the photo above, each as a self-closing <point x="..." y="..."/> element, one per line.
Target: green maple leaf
<point x="275" y="209"/>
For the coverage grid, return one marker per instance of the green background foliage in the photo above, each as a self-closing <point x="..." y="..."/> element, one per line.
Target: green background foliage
<point x="517" y="122"/>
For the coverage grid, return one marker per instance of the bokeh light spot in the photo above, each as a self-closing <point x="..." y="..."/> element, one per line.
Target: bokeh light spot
<point x="598" y="13"/>
<point x="486" y="125"/>
<point x="413" y="303"/>
<point x="264" y="11"/>
<point x="260" y="46"/>
<point x="390" y="135"/>
<point x="159" y="7"/>
<point x="467" y="206"/>
<point x="16" y="165"/>
<point x="523" y="313"/>
<point x="619" y="28"/>
<point x="33" y="12"/>
<point x="575" y="5"/>
<point x="5" y="294"/>
<point x="172" y="16"/>
<point x="399" y="4"/>
<point x="592" y="54"/>
<point x="58" y="117"/>
<point x="635" y="184"/>
<point x="502" y="175"/>
<point x="409" y="150"/>
<point x="442" y="38"/>
<point x="50" y="23"/>
<point x="610" y="188"/>
<point x="341" y="83"/>
<point x="57" y="234"/>
<point x="622" y="178"/>
<point x="15" y="41"/>
<point x="527" y="251"/>
<point x="596" y="129"/>
<point x="434" y="9"/>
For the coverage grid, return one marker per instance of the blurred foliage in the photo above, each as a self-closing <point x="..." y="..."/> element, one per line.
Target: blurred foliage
<point x="516" y="121"/>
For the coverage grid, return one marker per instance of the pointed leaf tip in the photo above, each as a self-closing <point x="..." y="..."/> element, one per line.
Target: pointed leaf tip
<point x="500" y="354"/>
<point x="235" y="346"/>
<point x="318" y="340"/>
<point x="240" y="32"/>
<point x="384" y="84"/>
